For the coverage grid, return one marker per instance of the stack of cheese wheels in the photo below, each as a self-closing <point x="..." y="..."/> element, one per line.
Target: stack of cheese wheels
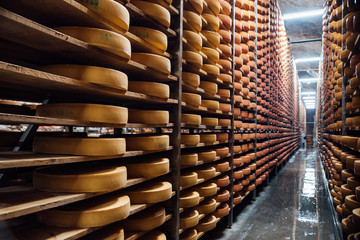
<point x="93" y="212"/>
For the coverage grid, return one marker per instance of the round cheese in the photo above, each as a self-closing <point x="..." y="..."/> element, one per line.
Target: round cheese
<point x="104" y="39"/>
<point x="206" y="173"/>
<point x="80" y="146"/>
<point x="207" y="224"/>
<point x="207" y="156"/>
<point x="149" y="169"/>
<point x="191" y="78"/>
<point x="222" y="137"/>
<point x="98" y="75"/>
<point x="207" y="138"/>
<point x="209" y="86"/>
<point x="211" y="70"/>
<point x="155" y="11"/>
<point x="153" y="235"/>
<point x="222" y="196"/>
<point x="194" y="39"/>
<point x="152" y="36"/>
<point x="226" y="21"/>
<point x="193" y="58"/>
<point x="214" y="6"/>
<point x="189" y="199"/>
<point x="222" y="211"/>
<point x="212" y="37"/>
<point x="211" y="122"/>
<point x="191" y="119"/>
<point x="189" y="219"/>
<point x="211" y="54"/>
<point x="189" y="159"/>
<point x="188" y="179"/>
<point x="148" y="116"/>
<point x="224" y="122"/>
<point x="225" y="64"/>
<point x="147" y="143"/>
<point x="150" y="88"/>
<point x="222" y="152"/>
<point x="191" y="98"/>
<point x="193" y="19"/>
<point x="190" y="139"/>
<point x="212" y="22"/>
<point x="190" y="234"/>
<point x="150" y="192"/>
<point x="207" y="206"/>
<point x="153" y="61"/>
<point x="93" y="212"/>
<point x="207" y="189"/>
<point x="210" y="104"/>
<point x="84" y="112"/>
<point x="224" y="93"/>
<point x="145" y="220"/>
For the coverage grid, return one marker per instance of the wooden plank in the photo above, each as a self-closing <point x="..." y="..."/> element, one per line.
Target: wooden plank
<point x="15" y="75"/>
<point x="15" y="27"/>
<point x="30" y="159"/>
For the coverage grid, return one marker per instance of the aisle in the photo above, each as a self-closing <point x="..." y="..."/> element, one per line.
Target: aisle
<point x="292" y="206"/>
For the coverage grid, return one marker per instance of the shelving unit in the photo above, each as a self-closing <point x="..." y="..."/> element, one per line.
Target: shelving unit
<point x="261" y="130"/>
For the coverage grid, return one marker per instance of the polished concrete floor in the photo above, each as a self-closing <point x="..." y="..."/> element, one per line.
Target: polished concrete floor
<point x="292" y="206"/>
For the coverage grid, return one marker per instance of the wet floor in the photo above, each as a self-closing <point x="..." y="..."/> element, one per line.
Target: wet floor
<point x="292" y="206"/>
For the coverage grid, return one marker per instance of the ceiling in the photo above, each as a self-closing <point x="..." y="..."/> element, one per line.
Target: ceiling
<point x="303" y="29"/>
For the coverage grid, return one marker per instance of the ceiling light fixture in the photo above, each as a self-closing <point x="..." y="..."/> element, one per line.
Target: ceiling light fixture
<point x="309" y="101"/>
<point x="304" y="14"/>
<point x="308" y="93"/>
<point x="309" y="97"/>
<point x="312" y="59"/>
<point x="310" y="107"/>
<point x="308" y="80"/>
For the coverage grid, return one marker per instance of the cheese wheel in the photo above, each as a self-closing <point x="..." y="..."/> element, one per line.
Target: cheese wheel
<point x="104" y="39"/>
<point x="222" y="152"/>
<point x="212" y="37"/>
<point x="155" y="11"/>
<point x="190" y="234"/>
<point x="189" y="199"/>
<point x="224" y="93"/>
<point x="225" y="49"/>
<point x="193" y="38"/>
<point x="188" y="179"/>
<point x="190" y="139"/>
<point x="80" y="146"/>
<point x="153" y="61"/>
<point x="206" y="173"/>
<point x="112" y="231"/>
<point x="150" y="192"/>
<point x="214" y="6"/>
<point x="145" y="220"/>
<point x="153" y="235"/>
<point x="189" y="219"/>
<point x="210" y="104"/>
<point x="148" y="116"/>
<point x="211" y="122"/>
<point x="225" y="7"/>
<point x="212" y="22"/>
<point x="84" y="112"/>
<point x="147" y="143"/>
<point x="152" y="36"/>
<point x="211" y="54"/>
<point x="191" y="78"/>
<point x="226" y="21"/>
<point x="93" y="212"/>
<point x="224" y="122"/>
<point x="211" y="70"/>
<point x="149" y="169"/>
<point x="111" y="10"/>
<point x="193" y="19"/>
<point x="150" y="88"/>
<point x="207" y="224"/>
<point x="191" y="119"/>
<point x="195" y="4"/>
<point x="207" y="138"/>
<point x="209" y="86"/>
<point x="225" y="107"/>
<point x="225" y="77"/>
<point x="189" y="159"/>
<point x="222" y="196"/>
<point x="225" y="64"/>
<point x="222" y="137"/>
<point x="207" y="156"/>
<point x="207" y="206"/>
<point x="193" y="58"/>
<point x="191" y="98"/>
<point x="207" y="189"/>
<point x="98" y="75"/>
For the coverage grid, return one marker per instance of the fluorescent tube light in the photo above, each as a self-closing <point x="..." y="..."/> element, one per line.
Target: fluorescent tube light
<point x="310" y="107"/>
<point x="308" y="93"/>
<point x="309" y="80"/>
<point x="312" y="59"/>
<point x="309" y="97"/>
<point x="309" y="101"/>
<point x="303" y="14"/>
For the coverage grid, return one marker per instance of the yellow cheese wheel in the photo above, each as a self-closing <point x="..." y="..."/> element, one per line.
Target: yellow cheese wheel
<point x="150" y="192"/>
<point x="207" y="138"/>
<point x="150" y="88"/>
<point x="189" y="219"/>
<point x="191" y="78"/>
<point x="147" y="143"/>
<point x="210" y="122"/>
<point x="189" y="159"/>
<point x="206" y="172"/>
<point x="193" y="38"/>
<point x="191" y="119"/>
<point x="189" y="199"/>
<point x="207" y="206"/>
<point x="148" y="169"/>
<point x="189" y="234"/>
<point x="111" y="10"/>
<point x="155" y="11"/>
<point x="196" y="4"/>
<point x="84" y="112"/>
<point x="212" y="22"/>
<point x="193" y="58"/>
<point x="188" y="179"/>
<point x="153" y="61"/>
<point x="207" y="189"/>
<point x="209" y="86"/>
<point x="222" y="137"/>
<point x="207" y="224"/>
<point x="210" y="104"/>
<point x="224" y="93"/>
<point x="190" y="139"/>
<point x="191" y="98"/>
<point x="84" y="178"/>
<point x="214" y="6"/>
<point x="98" y="75"/>
<point x="80" y="146"/>
<point x="211" y="54"/>
<point x="148" y="116"/>
<point x="153" y="235"/>
<point x="152" y="36"/>
<point x="145" y="220"/>
<point x="110" y="232"/>
<point x="193" y="20"/>
<point x="93" y="212"/>
<point x="104" y="39"/>
<point x="212" y="37"/>
<point x="211" y="70"/>
<point x="207" y="156"/>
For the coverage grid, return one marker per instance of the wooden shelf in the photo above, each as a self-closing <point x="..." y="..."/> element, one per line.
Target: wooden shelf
<point x="15" y="76"/>
<point x="30" y="159"/>
<point x="183" y="146"/>
<point x="14" y="27"/>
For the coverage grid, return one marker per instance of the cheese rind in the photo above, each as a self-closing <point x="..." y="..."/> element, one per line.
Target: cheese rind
<point x="193" y="58"/>
<point x="147" y="143"/>
<point x="189" y="219"/>
<point x="189" y="159"/>
<point x="153" y="61"/>
<point x="150" y="88"/>
<point x="207" y="224"/>
<point x="191" y="119"/>
<point x="211" y="122"/>
<point x="191" y="98"/>
<point x="151" y="192"/>
<point x="155" y="11"/>
<point x="207" y="156"/>
<point x="189" y="199"/>
<point x="209" y="86"/>
<point x="191" y="78"/>
<point x="145" y="220"/>
<point x="105" y="39"/>
<point x="193" y="38"/>
<point x="148" y="116"/>
<point x="152" y="36"/>
<point x="84" y="112"/>
<point x="80" y="146"/>
<point x="193" y="19"/>
<point x="153" y="235"/>
<point x="149" y="169"/>
<point x="190" y="139"/>
<point x="207" y="138"/>
<point x="210" y="104"/>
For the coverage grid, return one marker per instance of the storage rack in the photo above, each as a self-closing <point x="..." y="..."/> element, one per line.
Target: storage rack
<point x="20" y="81"/>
